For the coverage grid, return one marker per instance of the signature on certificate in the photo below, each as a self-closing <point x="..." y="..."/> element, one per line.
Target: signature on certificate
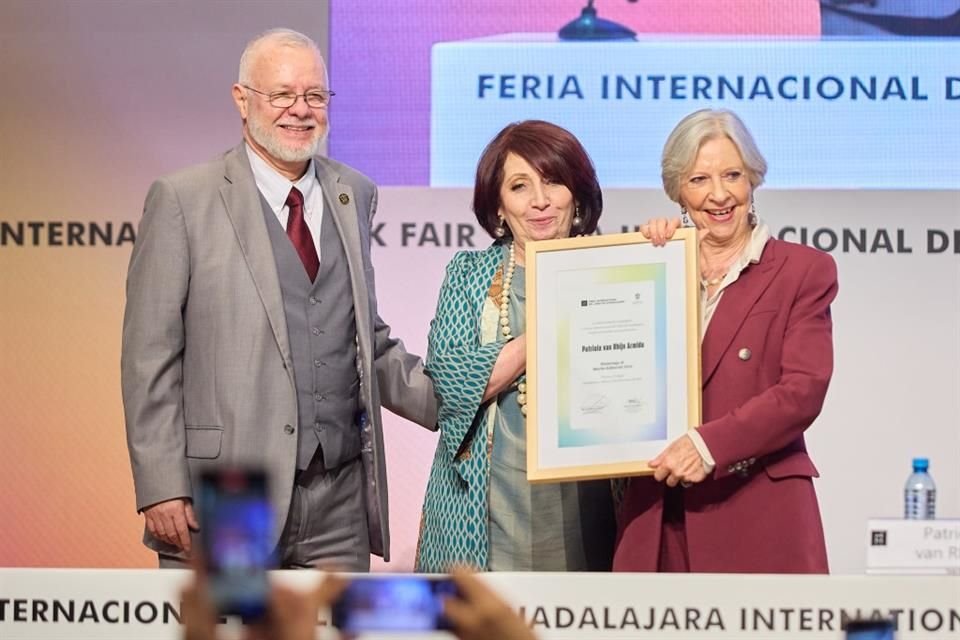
<point x="594" y="403"/>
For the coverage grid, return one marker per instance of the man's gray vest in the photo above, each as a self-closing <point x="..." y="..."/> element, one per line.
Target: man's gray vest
<point x="323" y="345"/>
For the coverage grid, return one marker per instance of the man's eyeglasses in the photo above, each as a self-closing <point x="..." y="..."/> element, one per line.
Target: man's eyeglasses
<point x="316" y="99"/>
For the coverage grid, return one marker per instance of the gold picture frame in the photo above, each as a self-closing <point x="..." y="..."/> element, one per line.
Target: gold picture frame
<point x="613" y="353"/>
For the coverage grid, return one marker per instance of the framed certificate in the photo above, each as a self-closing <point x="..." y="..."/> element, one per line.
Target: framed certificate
<point x="613" y="353"/>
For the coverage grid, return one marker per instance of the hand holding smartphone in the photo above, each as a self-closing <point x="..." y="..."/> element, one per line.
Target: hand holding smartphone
<point x="393" y="602"/>
<point x="236" y="531"/>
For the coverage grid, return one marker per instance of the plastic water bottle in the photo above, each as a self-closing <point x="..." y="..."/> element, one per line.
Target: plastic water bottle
<point x="920" y="494"/>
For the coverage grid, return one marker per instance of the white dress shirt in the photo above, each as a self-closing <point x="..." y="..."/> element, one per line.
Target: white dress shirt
<point x="708" y="304"/>
<point x="275" y="188"/>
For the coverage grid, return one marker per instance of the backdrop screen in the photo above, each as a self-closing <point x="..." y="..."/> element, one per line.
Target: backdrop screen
<point x="839" y="94"/>
<point x="854" y="104"/>
<point x="842" y="97"/>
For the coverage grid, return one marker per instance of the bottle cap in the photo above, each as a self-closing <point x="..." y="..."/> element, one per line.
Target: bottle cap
<point x="921" y="464"/>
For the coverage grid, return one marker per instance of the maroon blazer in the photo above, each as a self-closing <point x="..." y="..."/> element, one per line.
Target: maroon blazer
<point x="767" y="357"/>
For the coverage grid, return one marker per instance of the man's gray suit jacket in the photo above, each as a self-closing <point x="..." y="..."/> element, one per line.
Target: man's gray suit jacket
<point x="206" y="368"/>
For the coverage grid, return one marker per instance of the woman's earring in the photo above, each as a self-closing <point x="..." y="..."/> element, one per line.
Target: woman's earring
<point x="752" y="216"/>
<point x="577" y="220"/>
<point x="501" y="229"/>
<point x="685" y="217"/>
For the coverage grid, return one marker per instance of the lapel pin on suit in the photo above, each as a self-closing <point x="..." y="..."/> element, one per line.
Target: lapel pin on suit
<point x="344" y="198"/>
<point x="745" y="354"/>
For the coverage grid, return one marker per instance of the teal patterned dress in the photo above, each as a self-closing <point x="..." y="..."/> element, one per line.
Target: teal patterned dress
<point x="456" y="525"/>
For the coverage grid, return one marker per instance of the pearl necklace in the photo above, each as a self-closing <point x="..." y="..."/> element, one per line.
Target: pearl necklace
<point x="505" y="323"/>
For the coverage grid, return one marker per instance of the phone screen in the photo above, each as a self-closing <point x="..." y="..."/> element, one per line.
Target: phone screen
<point x="869" y="630"/>
<point x="236" y="529"/>
<point x="393" y="603"/>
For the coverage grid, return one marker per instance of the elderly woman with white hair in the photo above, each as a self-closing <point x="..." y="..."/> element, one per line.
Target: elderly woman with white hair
<point x="736" y="494"/>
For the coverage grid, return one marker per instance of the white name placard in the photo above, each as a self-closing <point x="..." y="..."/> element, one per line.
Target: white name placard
<point x="913" y="546"/>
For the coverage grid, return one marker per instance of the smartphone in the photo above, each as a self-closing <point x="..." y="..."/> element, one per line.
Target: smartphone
<point x="869" y="630"/>
<point x="236" y="533"/>
<point x="393" y="602"/>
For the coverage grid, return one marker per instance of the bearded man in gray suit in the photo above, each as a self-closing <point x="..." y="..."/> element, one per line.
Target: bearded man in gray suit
<point x="251" y="334"/>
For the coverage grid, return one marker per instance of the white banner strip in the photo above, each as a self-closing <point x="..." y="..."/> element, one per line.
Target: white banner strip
<point x="144" y="604"/>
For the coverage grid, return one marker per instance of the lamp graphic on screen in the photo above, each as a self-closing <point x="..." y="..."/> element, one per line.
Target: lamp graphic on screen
<point x="589" y="27"/>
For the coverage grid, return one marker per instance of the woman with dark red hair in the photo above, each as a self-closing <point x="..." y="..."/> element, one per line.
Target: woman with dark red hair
<point x="534" y="182"/>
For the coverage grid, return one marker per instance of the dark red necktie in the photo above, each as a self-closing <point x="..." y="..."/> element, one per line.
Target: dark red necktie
<point x="299" y="234"/>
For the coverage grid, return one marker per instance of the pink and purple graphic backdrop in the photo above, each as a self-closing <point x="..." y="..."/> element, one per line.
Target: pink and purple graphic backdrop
<point x="380" y="59"/>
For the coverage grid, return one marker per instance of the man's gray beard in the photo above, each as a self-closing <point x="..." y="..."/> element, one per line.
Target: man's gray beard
<point x="266" y="139"/>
